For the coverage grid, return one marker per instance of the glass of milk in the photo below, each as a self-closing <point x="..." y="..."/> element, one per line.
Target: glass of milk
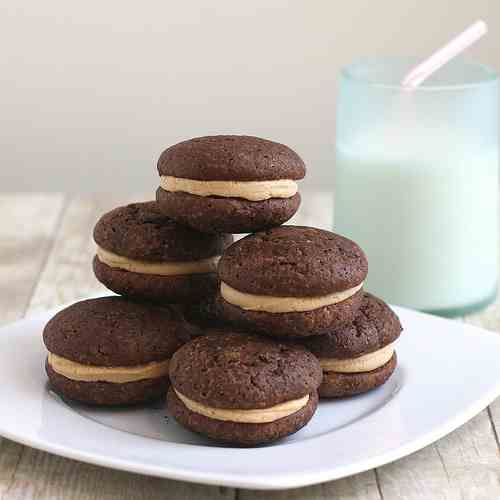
<point x="416" y="182"/>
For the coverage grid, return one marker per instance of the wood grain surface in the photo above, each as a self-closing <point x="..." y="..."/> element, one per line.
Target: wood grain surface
<point x="46" y="249"/>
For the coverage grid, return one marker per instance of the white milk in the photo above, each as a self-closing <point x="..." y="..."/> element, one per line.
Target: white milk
<point x="426" y="217"/>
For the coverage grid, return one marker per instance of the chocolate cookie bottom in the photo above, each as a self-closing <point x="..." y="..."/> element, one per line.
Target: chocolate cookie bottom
<point x="105" y="393"/>
<point x="240" y="433"/>
<point x="212" y="214"/>
<point x="160" y="289"/>
<point x="339" y="385"/>
<point x="293" y="324"/>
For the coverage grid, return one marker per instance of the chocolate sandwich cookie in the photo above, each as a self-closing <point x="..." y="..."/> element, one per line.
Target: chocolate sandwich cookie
<point x="111" y="351"/>
<point x="243" y="389"/>
<point x="145" y="255"/>
<point x="205" y="314"/>
<point x="358" y="357"/>
<point x="292" y="281"/>
<point x="229" y="183"/>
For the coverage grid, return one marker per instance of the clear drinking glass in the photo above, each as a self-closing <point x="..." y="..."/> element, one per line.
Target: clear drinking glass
<point x="416" y="182"/>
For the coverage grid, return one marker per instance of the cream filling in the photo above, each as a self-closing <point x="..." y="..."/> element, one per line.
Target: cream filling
<point x="267" y="303"/>
<point x="365" y="363"/>
<point x="248" y="190"/>
<point x="113" y="374"/>
<point x="160" y="268"/>
<point x="257" y="416"/>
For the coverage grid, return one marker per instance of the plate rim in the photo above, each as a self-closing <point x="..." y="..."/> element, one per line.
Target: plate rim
<point x="278" y="480"/>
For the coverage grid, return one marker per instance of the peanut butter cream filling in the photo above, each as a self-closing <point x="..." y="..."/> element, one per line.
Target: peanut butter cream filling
<point x="159" y="268"/>
<point x="361" y="364"/>
<point x="257" y="416"/>
<point x="248" y="190"/>
<point x="114" y="374"/>
<point x="267" y="303"/>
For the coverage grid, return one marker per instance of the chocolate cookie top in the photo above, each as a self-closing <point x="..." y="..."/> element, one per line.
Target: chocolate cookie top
<point x="140" y="231"/>
<point x="114" y="331"/>
<point x="235" y="370"/>
<point x="231" y="157"/>
<point x="205" y="313"/>
<point x="374" y="327"/>
<point x="293" y="261"/>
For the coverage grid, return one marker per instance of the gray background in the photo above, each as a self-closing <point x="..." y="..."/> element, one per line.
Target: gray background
<point x="92" y="91"/>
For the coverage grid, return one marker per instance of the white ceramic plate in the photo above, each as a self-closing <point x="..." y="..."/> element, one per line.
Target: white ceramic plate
<point x="447" y="373"/>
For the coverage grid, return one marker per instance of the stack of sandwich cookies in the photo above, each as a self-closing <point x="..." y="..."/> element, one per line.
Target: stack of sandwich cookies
<point x="229" y="183"/>
<point x="301" y="284"/>
<point x="243" y="389"/>
<point x="111" y="351"/>
<point x="143" y="254"/>
<point x="360" y="356"/>
<point x="291" y="281"/>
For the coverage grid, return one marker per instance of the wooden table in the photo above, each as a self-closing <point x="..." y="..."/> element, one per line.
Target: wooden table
<point x="45" y="254"/>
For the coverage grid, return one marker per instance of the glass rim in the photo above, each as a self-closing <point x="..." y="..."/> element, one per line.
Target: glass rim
<point x="347" y="72"/>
